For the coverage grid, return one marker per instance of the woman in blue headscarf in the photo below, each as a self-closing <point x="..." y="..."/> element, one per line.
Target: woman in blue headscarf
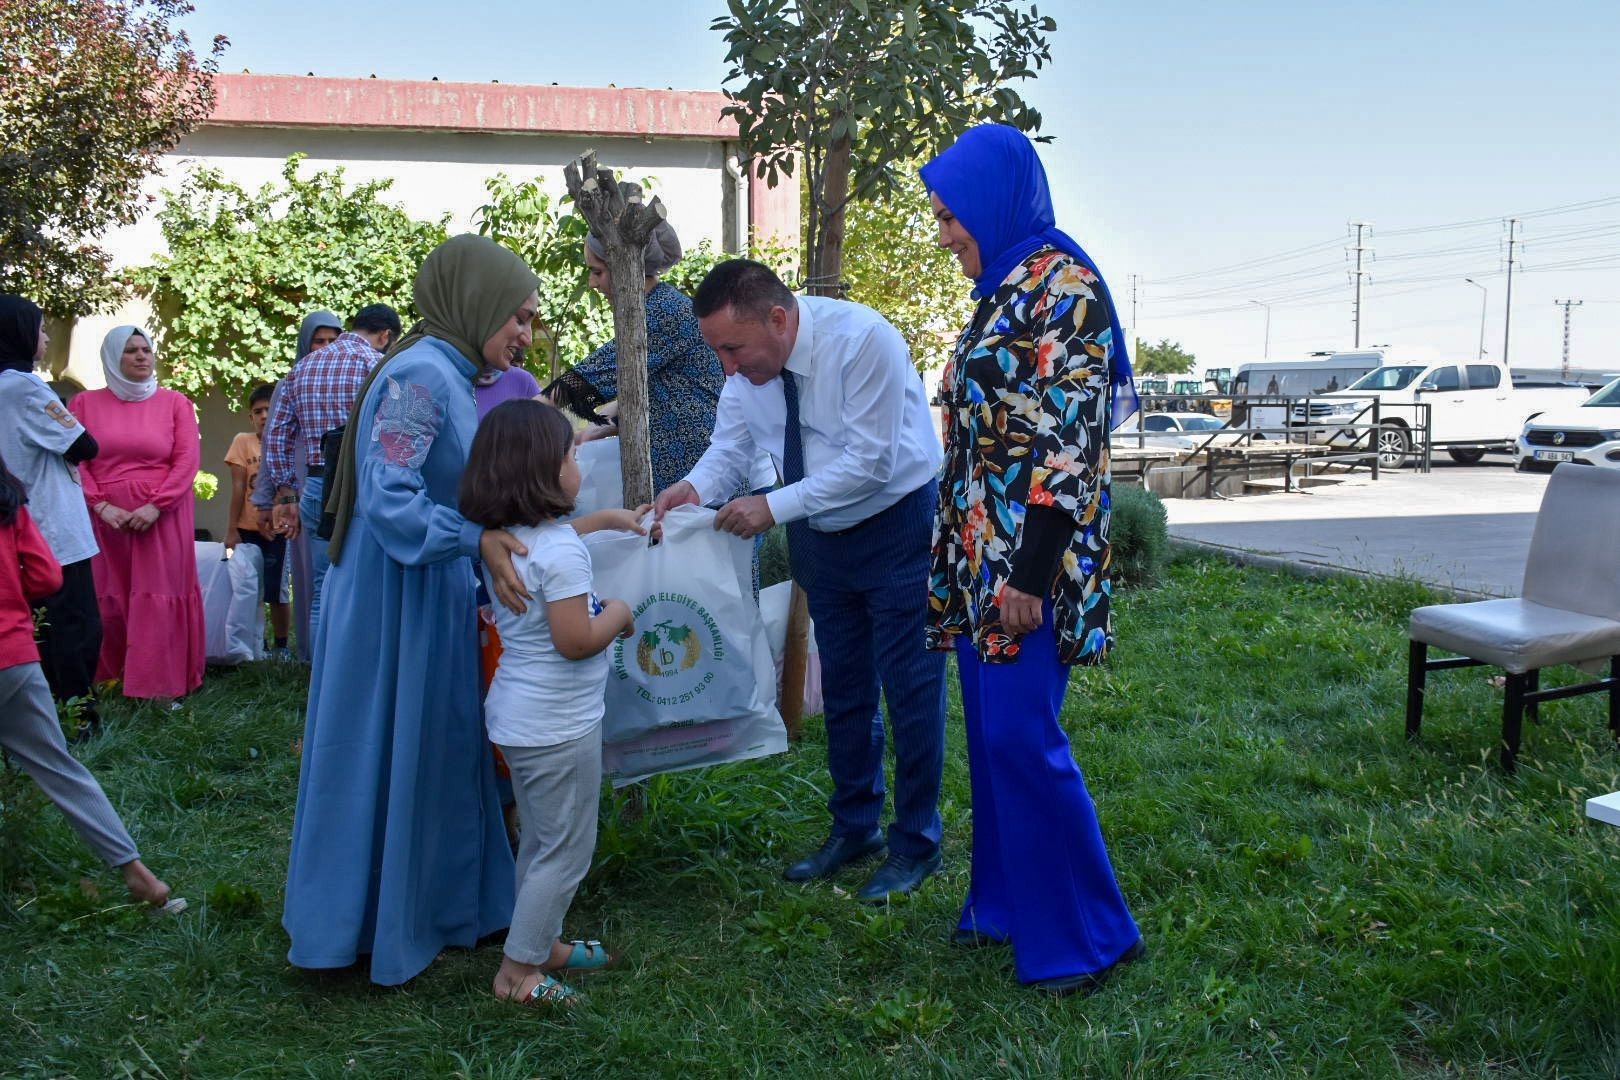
<point x="1020" y="581"/>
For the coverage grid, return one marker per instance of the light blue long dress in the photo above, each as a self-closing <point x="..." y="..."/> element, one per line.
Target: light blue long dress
<point x="398" y="846"/>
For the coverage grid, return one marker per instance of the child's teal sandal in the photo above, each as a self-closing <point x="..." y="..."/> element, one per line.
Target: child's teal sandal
<point x="588" y="956"/>
<point x="551" y="992"/>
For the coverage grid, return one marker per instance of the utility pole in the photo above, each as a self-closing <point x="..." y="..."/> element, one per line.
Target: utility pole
<point x="1507" y="308"/>
<point x="1360" y="227"/>
<point x="1135" y="337"/>
<point x="1566" y="305"/>
<point x="1484" y="299"/>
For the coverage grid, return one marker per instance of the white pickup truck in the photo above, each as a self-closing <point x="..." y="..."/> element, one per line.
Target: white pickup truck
<point x="1472" y="407"/>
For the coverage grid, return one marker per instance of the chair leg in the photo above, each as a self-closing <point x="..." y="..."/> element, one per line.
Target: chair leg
<point x="1614" y="696"/>
<point x="1512" y="721"/>
<point x="1532" y="709"/>
<point x="1417" y="660"/>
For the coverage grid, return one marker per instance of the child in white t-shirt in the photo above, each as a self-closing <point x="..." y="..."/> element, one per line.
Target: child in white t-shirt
<point x="544" y="707"/>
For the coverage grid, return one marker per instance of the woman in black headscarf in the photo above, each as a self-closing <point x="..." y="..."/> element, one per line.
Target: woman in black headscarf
<point x="43" y="444"/>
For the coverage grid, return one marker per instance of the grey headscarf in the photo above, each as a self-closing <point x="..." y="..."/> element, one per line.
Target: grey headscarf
<point x="313" y="322"/>
<point x="662" y="251"/>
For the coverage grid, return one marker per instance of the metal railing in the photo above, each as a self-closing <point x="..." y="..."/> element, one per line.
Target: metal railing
<point x="1364" y="431"/>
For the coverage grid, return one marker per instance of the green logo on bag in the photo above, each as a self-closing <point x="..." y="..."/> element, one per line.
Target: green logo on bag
<point x="670" y="664"/>
<point x="668" y="650"/>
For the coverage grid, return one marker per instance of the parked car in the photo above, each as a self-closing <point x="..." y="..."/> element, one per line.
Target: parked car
<point x="1471" y="408"/>
<point x="1183" y="431"/>
<point x="1587" y="434"/>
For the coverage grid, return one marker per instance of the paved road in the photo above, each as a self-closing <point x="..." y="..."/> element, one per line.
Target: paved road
<point x="1460" y="527"/>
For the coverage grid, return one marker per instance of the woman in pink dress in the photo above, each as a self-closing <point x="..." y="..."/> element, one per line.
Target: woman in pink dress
<point x="139" y="492"/>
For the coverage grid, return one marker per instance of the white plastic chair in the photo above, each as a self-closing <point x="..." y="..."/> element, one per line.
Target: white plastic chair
<point x="1569" y="613"/>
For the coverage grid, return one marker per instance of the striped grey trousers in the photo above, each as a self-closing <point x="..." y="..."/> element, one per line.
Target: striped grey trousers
<point x="30" y="733"/>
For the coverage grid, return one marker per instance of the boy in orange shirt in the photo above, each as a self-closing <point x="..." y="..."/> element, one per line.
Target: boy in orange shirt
<point x="249" y="524"/>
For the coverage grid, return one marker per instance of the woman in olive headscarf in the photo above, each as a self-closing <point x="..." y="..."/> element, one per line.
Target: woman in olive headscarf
<point x="398" y="846"/>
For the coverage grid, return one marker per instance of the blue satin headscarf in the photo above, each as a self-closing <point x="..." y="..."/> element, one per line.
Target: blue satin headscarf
<point x="993" y="182"/>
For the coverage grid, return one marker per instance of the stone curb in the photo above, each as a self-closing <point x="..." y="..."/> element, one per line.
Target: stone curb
<point x="1259" y="560"/>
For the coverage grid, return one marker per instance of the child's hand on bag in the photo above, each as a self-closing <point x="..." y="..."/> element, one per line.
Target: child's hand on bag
<point x="618" y="609"/>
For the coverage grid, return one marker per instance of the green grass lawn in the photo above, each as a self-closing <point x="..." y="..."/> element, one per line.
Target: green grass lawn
<point x="1319" y="898"/>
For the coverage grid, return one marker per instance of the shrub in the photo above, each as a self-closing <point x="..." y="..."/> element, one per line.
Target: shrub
<point x="773" y="558"/>
<point x="1140" y="535"/>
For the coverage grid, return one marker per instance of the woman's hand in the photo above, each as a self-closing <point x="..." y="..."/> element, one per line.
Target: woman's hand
<point x="591" y="434"/>
<point x="112" y="516"/>
<point x="143" y="517"/>
<point x="496" y="548"/>
<point x="1020" y="611"/>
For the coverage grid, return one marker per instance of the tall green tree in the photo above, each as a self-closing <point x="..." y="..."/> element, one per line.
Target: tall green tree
<point x="855" y="88"/>
<point x="92" y="94"/>
<point x="1165" y="358"/>
<point x="894" y="265"/>
<point x="243" y="268"/>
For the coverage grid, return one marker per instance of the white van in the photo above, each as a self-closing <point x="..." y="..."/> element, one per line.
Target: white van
<point x="1322" y="373"/>
<point x="1472" y="407"/>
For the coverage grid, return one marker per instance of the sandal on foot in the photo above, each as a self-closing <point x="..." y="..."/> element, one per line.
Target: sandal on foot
<point x="588" y="956"/>
<point x="549" y="991"/>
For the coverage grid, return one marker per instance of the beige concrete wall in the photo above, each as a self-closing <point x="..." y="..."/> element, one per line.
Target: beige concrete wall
<point x="434" y="173"/>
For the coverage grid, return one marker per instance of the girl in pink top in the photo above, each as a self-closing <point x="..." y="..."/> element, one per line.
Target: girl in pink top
<point x="140" y="497"/>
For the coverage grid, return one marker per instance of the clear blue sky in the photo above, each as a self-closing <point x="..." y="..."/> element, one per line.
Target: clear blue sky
<point x="1190" y="137"/>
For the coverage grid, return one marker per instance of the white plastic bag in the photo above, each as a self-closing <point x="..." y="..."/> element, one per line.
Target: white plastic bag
<point x="774" y="605"/>
<point x="695" y="684"/>
<point x="601" y="477"/>
<point x="233" y="602"/>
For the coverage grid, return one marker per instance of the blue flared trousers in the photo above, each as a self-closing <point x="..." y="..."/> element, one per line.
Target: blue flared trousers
<point x="1041" y="875"/>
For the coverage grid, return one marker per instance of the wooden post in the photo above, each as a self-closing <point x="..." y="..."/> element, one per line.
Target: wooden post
<point x="617" y="213"/>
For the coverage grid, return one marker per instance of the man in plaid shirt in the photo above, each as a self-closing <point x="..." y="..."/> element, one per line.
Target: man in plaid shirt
<point x="316" y="397"/>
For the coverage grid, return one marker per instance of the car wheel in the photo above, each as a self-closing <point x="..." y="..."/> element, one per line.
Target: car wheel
<point x="1394" y="446"/>
<point x="1467" y="455"/>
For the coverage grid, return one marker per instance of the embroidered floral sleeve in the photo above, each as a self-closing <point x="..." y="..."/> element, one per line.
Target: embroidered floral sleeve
<point x="406" y="423"/>
<point x="392" y="490"/>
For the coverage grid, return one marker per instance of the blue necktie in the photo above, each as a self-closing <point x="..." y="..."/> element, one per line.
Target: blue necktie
<point x="793" y="435"/>
<point x="798" y="532"/>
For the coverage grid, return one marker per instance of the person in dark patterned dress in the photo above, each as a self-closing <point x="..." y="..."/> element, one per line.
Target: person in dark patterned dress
<point x="683" y="374"/>
<point x="1020" y="575"/>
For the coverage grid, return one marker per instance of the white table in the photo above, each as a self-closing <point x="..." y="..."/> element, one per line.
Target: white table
<point x="1604" y="808"/>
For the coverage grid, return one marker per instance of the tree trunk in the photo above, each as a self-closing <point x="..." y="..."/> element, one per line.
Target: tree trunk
<point x="827" y="270"/>
<point x="617" y="214"/>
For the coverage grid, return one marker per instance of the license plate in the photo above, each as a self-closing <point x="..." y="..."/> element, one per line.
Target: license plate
<point x="1555" y="455"/>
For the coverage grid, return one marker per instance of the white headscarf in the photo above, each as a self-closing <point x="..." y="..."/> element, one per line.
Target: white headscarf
<point x="112" y="355"/>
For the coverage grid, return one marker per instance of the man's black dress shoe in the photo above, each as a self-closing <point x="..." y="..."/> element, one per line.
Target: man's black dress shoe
<point x="897" y="876"/>
<point x="837" y="852"/>
<point x="1091" y="982"/>
<point x="973" y="939"/>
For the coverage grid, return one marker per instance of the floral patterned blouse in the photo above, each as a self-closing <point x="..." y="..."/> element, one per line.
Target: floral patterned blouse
<point x="683" y="385"/>
<point x="1026" y="425"/>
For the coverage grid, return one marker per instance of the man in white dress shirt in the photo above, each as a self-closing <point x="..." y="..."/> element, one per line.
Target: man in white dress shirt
<point x="827" y="388"/>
